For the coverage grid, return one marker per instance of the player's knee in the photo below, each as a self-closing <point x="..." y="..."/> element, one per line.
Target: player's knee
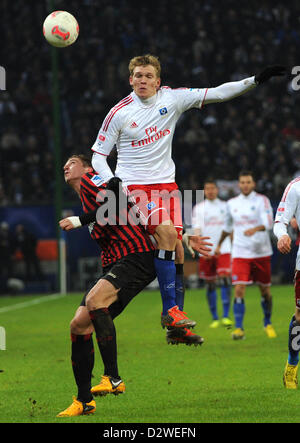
<point x="239" y="291"/>
<point x="265" y="292"/>
<point x="167" y="236"/>
<point x="170" y="235"/>
<point x="76" y="327"/>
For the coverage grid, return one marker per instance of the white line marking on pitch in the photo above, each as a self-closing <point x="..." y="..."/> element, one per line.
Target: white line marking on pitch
<point x="35" y="301"/>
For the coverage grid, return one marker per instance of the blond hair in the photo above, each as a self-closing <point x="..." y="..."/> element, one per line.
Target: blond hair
<point x="144" y="60"/>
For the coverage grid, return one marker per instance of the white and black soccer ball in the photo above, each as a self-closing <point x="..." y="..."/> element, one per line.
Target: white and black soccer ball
<point x="60" y="29"/>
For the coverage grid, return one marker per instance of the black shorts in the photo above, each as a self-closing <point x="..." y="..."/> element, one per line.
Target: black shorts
<point x="131" y="274"/>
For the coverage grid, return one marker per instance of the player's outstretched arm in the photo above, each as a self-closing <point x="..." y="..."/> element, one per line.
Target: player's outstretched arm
<point x="228" y="91"/>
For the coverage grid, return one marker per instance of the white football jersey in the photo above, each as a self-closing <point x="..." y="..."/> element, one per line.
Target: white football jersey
<point x="245" y="212"/>
<point x="143" y="131"/>
<point x="208" y="217"/>
<point x="289" y="207"/>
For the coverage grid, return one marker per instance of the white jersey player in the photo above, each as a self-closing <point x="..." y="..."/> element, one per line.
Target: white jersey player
<point x="244" y="214"/>
<point x="250" y="216"/>
<point x="142" y="128"/>
<point x="208" y="217"/>
<point x="288" y="208"/>
<point x="208" y="220"/>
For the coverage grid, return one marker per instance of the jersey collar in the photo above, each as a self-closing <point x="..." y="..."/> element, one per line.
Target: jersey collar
<point x="147" y="102"/>
<point x="249" y="196"/>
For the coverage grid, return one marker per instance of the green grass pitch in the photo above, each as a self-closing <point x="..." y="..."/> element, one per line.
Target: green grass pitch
<point x="222" y="381"/>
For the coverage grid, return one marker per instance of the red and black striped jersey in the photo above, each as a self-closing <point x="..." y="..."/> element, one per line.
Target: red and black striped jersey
<point x="115" y="240"/>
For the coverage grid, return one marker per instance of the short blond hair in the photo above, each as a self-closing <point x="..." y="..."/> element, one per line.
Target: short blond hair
<point x="144" y="60"/>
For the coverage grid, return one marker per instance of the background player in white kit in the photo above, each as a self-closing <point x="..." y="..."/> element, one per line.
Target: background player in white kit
<point x="208" y="220"/>
<point x="287" y="209"/>
<point x="250" y="217"/>
<point x="142" y="127"/>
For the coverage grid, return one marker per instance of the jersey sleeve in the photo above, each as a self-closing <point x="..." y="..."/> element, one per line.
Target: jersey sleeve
<point x="188" y="98"/>
<point x="100" y="165"/>
<point x="288" y="205"/>
<point x="108" y="134"/>
<point x="228" y="91"/>
<point x="266" y="213"/>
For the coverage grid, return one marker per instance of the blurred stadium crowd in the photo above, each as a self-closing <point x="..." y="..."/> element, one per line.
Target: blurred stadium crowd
<point x="200" y="44"/>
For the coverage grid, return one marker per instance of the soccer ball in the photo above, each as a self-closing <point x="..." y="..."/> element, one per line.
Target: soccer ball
<point x="60" y="29"/>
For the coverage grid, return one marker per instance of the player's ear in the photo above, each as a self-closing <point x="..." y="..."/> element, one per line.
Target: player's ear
<point x="131" y="81"/>
<point x="158" y="82"/>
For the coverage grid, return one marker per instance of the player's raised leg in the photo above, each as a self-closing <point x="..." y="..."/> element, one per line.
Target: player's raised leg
<point x="160" y="209"/>
<point x="179" y="282"/>
<point x="164" y="261"/>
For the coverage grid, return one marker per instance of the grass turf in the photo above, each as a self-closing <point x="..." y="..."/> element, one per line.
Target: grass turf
<point x="222" y="381"/>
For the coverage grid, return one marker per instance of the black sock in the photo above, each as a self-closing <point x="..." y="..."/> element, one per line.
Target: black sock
<point x="82" y="363"/>
<point x="107" y="340"/>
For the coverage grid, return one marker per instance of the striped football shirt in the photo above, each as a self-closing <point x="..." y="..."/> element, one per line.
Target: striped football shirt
<point x="115" y="240"/>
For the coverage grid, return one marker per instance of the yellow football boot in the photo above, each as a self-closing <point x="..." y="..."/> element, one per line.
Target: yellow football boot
<point x="215" y="324"/>
<point x="78" y="408"/>
<point x="226" y="322"/>
<point x="238" y="334"/>
<point x="108" y="385"/>
<point x="290" y="376"/>
<point x="270" y="331"/>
